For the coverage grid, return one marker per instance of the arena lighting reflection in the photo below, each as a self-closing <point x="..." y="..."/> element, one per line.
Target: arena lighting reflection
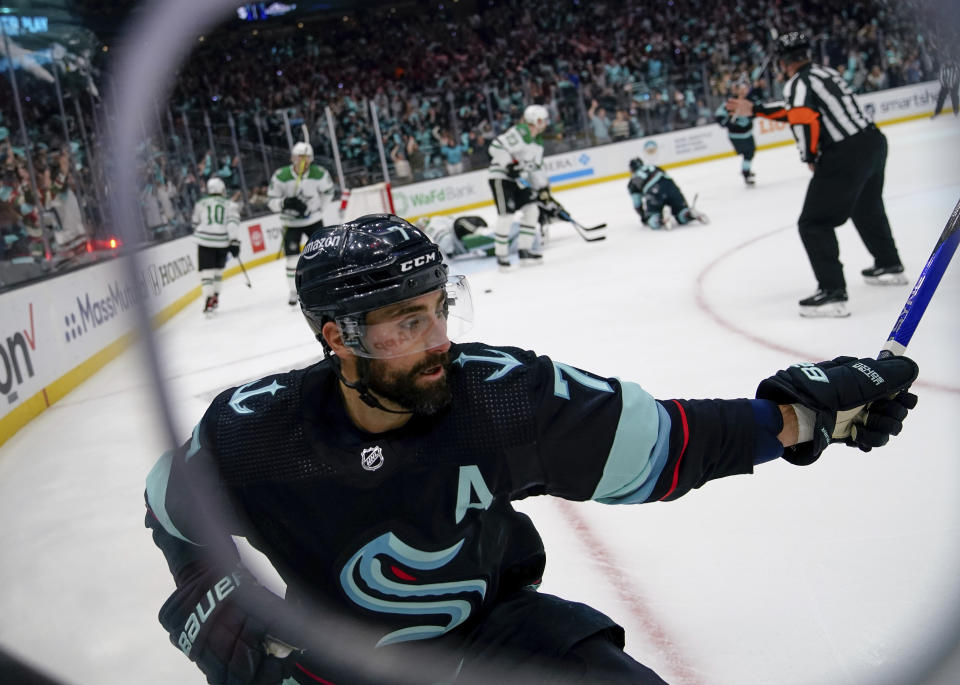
<point x="141" y="67"/>
<point x="141" y="76"/>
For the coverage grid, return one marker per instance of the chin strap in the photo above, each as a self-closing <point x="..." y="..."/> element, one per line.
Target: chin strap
<point x="362" y="388"/>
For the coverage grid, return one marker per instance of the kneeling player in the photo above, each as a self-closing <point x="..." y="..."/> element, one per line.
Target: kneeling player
<point x="652" y="189"/>
<point x="465" y="235"/>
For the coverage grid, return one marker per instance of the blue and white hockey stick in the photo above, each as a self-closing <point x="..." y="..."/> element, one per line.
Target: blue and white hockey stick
<point x="926" y="285"/>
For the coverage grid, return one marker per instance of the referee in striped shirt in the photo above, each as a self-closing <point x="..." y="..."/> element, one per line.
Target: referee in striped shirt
<point x="847" y="155"/>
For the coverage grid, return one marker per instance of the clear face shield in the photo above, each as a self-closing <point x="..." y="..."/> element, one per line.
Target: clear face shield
<point x="410" y="326"/>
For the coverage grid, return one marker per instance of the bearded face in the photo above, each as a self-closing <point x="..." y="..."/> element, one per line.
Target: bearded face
<point x="422" y="388"/>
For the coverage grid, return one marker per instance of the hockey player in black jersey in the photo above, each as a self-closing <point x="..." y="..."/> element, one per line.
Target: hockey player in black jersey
<point x="379" y="483"/>
<point x="740" y="129"/>
<point x="651" y="190"/>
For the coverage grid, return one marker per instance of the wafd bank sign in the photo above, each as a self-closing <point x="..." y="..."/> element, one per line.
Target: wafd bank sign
<point x="472" y="188"/>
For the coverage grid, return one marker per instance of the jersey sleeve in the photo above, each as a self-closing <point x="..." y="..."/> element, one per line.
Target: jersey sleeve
<point x="322" y="193"/>
<point x="189" y="510"/>
<point x="722" y="115"/>
<point x="610" y="441"/>
<point x="803" y="118"/>
<point x="275" y="193"/>
<point x="197" y="214"/>
<point x="534" y="168"/>
<point x="500" y="157"/>
<point x="232" y="220"/>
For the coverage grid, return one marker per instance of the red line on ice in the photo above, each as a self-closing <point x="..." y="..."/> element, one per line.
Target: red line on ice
<point x="682" y="673"/>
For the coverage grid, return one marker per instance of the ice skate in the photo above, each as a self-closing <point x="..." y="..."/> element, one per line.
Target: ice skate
<point x="216" y="300"/>
<point x="669" y="220"/>
<point x="825" y="303"/>
<point x="529" y="258"/>
<point x="503" y="264"/>
<point x="749" y="178"/>
<point x="209" y="306"/>
<point x="292" y="300"/>
<point x="885" y="275"/>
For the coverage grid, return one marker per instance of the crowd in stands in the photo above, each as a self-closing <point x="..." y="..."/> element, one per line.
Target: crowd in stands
<point x="444" y="86"/>
<point x="444" y="83"/>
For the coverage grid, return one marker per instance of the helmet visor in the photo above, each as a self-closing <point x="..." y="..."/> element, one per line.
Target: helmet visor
<point x="411" y="326"/>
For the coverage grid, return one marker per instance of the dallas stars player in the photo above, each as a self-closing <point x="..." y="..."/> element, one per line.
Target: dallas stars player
<point x="460" y="237"/>
<point x="300" y="192"/>
<point x="379" y="481"/>
<point x="215" y="225"/>
<point x="517" y="154"/>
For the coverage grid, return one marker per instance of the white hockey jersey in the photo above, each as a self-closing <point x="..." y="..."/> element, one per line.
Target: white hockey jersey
<point x="315" y="188"/>
<point x="442" y="230"/>
<point x="517" y="146"/>
<point x="216" y="221"/>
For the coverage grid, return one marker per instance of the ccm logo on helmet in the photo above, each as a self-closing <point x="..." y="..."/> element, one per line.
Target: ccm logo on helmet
<point x="311" y="249"/>
<point x="418" y="261"/>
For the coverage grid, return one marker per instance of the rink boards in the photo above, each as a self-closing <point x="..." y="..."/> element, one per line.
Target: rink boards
<point x="56" y="333"/>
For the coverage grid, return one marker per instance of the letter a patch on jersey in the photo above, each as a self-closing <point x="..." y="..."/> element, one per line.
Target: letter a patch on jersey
<point x="470" y="482"/>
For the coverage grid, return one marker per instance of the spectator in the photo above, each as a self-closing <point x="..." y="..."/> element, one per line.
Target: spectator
<point x="620" y="126"/>
<point x="599" y="124"/>
<point x="415" y="157"/>
<point x="401" y="167"/>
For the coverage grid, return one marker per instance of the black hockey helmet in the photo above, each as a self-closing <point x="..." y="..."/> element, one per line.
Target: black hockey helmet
<point x="635" y="164"/>
<point x="793" y="45"/>
<point x="348" y="270"/>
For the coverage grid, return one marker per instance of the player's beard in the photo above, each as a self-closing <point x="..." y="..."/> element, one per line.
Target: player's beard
<point x="406" y="387"/>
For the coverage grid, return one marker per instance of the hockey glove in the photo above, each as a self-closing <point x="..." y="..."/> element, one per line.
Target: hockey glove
<point x="550" y="206"/>
<point x="294" y="205"/>
<point x="222" y="622"/>
<point x="860" y="402"/>
<point x="513" y="170"/>
<point x="234" y="248"/>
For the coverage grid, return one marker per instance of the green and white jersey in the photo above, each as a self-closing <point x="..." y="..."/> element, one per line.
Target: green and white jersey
<point x="216" y="221"/>
<point x="518" y="145"/>
<point x="440" y="229"/>
<point x="315" y="188"/>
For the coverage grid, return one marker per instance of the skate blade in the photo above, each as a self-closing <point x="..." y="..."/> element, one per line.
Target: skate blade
<point x="527" y="263"/>
<point x="836" y="310"/>
<point x="505" y="268"/>
<point x="886" y="279"/>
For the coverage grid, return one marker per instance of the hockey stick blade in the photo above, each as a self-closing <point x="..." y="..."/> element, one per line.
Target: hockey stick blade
<point x="585" y="232"/>
<point x="926" y="285"/>
<point x="589" y="237"/>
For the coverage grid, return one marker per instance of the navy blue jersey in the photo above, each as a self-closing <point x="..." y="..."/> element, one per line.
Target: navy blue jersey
<point x="413" y="529"/>
<point x="644" y="179"/>
<point x="738" y="126"/>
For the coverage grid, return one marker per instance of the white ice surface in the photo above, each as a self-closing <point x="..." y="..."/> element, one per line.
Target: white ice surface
<point x="838" y="574"/>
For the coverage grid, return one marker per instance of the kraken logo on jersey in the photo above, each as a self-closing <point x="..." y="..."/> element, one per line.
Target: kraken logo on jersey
<point x="506" y="362"/>
<point x="371" y="458"/>
<point x="400" y="593"/>
<point x="241" y="394"/>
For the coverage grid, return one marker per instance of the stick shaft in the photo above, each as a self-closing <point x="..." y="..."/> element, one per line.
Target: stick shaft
<point x="244" y="270"/>
<point x="926" y="285"/>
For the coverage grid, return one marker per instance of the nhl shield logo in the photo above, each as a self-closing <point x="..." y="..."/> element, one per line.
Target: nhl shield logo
<point x="371" y="458"/>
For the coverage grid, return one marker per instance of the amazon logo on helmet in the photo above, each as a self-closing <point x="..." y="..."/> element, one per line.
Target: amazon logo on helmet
<point x="365" y="264"/>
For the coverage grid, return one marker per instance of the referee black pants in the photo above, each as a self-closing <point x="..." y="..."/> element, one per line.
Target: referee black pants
<point x="954" y="93"/>
<point x="847" y="183"/>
